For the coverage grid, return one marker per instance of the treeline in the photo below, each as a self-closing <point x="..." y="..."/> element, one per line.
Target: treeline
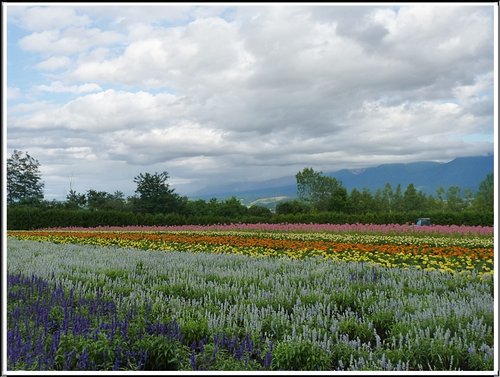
<point x="321" y="199"/>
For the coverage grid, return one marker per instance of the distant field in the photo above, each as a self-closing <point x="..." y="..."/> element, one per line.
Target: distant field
<point x="243" y="297"/>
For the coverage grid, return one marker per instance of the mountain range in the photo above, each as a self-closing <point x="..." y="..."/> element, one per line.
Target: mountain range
<point x="427" y="176"/>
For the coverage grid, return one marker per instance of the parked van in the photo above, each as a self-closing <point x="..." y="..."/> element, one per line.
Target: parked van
<point x="423" y="221"/>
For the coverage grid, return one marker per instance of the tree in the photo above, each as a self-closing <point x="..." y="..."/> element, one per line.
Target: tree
<point x="388" y="197"/>
<point x="414" y="200"/>
<point x="440" y="202"/>
<point x="361" y="202"/>
<point x="24" y="181"/>
<point x="485" y="194"/>
<point x="75" y="200"/>
<point x="397" y="199"/>
<point x="321" y="192"/>
<point x="231" y="208"/>
<point x="291" y="207"/>
<point x="454" y="201"/>
<point x="96" y="199"/>
<point x="116" y="201"/>
<point x="155" y="194"/>
<point x="259" y="211"/>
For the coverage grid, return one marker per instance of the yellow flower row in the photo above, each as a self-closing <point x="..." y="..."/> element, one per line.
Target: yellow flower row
<point x="450" y="259"/>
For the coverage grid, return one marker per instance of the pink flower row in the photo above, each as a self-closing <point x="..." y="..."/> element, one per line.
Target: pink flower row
<point x="361" y="228"/>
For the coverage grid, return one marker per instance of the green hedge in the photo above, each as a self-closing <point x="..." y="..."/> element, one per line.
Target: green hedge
<point x="35" y="218"/>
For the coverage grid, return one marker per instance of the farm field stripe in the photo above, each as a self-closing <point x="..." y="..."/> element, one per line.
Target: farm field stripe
<point x="447" y="258"/>
<point x="461" y="230"/>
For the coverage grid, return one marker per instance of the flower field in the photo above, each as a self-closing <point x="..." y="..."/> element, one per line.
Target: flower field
<point x="429" y="252"/>
<point x="459" y="230"/>
<point x="250" y="298"/>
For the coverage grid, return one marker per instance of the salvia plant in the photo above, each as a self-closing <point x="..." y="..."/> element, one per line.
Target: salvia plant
<point x="84" y="307"/>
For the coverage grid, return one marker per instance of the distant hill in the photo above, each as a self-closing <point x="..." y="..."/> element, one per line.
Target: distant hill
<point x="464" y="172"/>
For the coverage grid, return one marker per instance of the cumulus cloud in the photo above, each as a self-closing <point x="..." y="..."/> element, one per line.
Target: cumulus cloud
<point x="204" y="52"/>
<point x="256" y="92"/>
<point x="69" y="41"/>
<point x="59" y="87"/>
<point x="53" y="63"/>
<point x="43" y="18"/>
<point x="108" y="110"/>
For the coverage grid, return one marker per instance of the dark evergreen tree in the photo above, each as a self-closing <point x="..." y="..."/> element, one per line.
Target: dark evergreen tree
<point x="75" y="200"/>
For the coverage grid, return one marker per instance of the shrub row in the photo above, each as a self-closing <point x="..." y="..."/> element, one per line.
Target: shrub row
<point x="439" y="218"/>
<point x="34" y="218"/>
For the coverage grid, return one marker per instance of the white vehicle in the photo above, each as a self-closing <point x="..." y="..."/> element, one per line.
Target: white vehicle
<point x="423" y="221"/>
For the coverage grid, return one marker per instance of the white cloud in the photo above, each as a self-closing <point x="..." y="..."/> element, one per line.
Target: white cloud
<point x="69" y="41"/>
<point x="204" y="51"/>
<point x="59" y="87"/>
<point x="215" y="94"/>
<point x="164" y="144"/>
<point x="53" y="17"/>
<point x="53" y="63"/>
<point x="482" y="85"/>
<point x="106" y="110"/>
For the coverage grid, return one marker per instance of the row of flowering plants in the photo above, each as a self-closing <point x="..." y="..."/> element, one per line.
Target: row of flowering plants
<point x="444" y="253"/>
<point x="89" y="307"/>
<point x="459" y="230"/>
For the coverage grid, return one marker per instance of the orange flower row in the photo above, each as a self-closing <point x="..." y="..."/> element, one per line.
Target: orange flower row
<point x="262" y="242"/>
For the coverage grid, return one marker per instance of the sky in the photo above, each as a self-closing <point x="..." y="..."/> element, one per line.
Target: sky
<point x="217" y="94"/>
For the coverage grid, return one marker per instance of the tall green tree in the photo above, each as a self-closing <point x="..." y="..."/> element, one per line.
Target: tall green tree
<point x="440" y="201"/>
<point x="484" y="200"/>
<point x="388" y="198"/>
<point x="155" y="194"/>
<point x="24" y="180"/>
<point x="414" y="200"/>
<point x="321" y="192"/>
<point x="454" y="201"/>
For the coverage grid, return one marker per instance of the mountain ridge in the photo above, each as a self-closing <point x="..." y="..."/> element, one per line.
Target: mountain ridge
<point x="427" y="176"/>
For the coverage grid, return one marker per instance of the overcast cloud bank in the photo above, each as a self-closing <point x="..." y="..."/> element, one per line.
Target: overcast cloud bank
<point x="217" y="94"/>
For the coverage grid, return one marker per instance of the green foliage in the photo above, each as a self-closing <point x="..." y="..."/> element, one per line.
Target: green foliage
<point x="155" y="194"/>
<point x="35" y="217"/>
<point x="299" y="355"/>
<point x="162" y="352"/>
<point x="382" y="322"/>
<point x="356" y="330"/>
<point x="194" y="330"/>
<point x="292" y="207"/>
<point x="24" y="181"/>
<point x="323" y="193"/>
<point x="413" y="200"/>
<point x="116" y="274"/>
<point x="102" y="351"/>
<point x="485" y="195"/>
<point x="75" y="200"/>
<point x="216" y="359"/>
<point x="231" y="208"/>
<point x="259" y="211"/>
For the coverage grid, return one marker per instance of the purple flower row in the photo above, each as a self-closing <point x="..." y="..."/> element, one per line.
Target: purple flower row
<point x="360" y="228"/>
<point x="50" y="328"/>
